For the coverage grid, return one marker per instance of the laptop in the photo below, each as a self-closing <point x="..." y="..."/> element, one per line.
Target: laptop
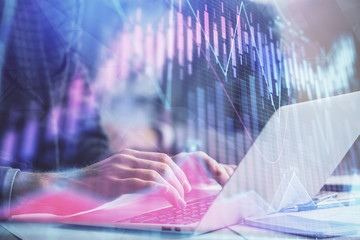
<point x="288" y="163"/>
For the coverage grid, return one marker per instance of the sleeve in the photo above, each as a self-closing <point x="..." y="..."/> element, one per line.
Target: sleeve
<point x="7" y="177"/>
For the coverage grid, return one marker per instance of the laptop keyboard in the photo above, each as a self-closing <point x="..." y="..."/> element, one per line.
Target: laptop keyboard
<point x="193" y="212"/>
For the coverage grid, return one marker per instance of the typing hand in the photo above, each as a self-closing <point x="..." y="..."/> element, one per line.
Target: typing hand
<point x="198" y="166"/>
<point x="126" y="172"/>
<point x="130" y="170"/>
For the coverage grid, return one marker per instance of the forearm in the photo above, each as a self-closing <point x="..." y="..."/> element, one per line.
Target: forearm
<point x="28" y="182"/>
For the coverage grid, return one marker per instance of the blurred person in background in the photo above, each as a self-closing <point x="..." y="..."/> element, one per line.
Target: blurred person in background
<point x="50" y="129"/>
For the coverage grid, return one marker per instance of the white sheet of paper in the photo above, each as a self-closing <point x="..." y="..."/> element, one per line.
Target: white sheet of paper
<point x="349" y="214"/>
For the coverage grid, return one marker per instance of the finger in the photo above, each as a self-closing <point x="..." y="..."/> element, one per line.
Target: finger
<point x="217" y="171"/>
<point x="166" y="191"/>
<point x="130" y="161"/>
<point x="146" y="174"/>
<point x="171" y="194"/>
<point x="163" y="170"/>
<point x="222" y="175"/>
<point x="228" y="168"/>
<point x="163" y="158"/>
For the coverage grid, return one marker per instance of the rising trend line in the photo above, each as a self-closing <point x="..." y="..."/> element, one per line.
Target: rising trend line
<point x="225" y="71"/>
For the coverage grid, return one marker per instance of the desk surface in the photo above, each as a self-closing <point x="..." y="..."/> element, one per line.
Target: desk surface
<point x="29" y="231"/>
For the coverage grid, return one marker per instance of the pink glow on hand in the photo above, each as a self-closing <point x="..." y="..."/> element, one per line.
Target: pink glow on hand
<point x="195" y="170"/>
<point x="55" y="202"/>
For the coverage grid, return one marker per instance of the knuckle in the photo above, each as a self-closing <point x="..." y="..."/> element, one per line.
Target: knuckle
<point x="153" y="175"/>
<point x="119" y="155"/>
<point x="148" y="184"/>
<point x="165" y="169"/>
<point x="217" y="170"/>
<point x="116" y="157"/>
<point x="124" y="159"/>
<point x="125" y="151"/>
<point x="163" y="158"/>
<point x="132" y="183"/>
<point x="201" y="154"/>
<point x="182" y="155"/>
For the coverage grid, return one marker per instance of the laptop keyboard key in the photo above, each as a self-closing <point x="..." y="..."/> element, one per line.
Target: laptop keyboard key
<point x="192" y="213"/>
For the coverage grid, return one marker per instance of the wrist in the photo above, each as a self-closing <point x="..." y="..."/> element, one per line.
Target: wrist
<point x="28" y="182"/>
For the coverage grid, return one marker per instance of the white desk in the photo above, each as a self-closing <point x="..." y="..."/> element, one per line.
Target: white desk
<point x="30" y="231"/>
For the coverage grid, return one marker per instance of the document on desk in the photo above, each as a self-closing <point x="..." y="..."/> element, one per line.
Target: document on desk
<point x="339" y="221"/>
<point x="350" y="215"/>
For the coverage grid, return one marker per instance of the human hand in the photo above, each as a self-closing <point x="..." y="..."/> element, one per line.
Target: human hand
<point x="220" y="172"/>
<point x="129" y="171"/>
<point x="123" y="172"/>
<point x="126" y="172"/>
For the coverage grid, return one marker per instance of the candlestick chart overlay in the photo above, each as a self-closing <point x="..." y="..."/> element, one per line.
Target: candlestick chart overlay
<point x="213" y="72"/>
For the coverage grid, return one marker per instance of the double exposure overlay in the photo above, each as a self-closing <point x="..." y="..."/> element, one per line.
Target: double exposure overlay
<point x="110" y="109"/>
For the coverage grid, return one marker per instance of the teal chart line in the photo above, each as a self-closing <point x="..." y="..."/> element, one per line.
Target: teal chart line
<point x="120" y="11"/>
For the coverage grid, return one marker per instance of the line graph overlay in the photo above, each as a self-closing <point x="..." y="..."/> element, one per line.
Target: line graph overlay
<point x="225" y="71"/>
<point x="242" y="122"/>
<point x="232" y="104"/>
<point x="164" y="96"/>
